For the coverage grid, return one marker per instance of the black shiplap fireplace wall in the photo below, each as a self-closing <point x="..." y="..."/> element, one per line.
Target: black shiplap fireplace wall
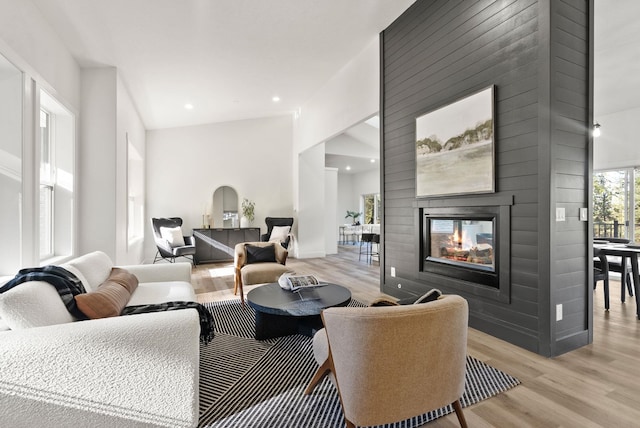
<point x="537" y="53"/>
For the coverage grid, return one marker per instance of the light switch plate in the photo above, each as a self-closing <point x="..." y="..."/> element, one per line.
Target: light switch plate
<point x="560" y="214"/>
<point x="584" y="214"/>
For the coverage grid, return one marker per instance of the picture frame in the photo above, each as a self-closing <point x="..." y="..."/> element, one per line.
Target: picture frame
<point x="455" y="147"/>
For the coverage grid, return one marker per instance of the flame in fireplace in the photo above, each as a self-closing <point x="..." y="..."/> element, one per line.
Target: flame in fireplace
<point x="461" y="241"/>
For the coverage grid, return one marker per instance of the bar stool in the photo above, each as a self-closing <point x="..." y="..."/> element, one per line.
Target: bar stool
<point x="366" y="241"/>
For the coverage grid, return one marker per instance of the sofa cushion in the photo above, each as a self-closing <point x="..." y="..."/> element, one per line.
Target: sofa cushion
<point x="75" y="271"/>
<point x="110" y="297"/>
<point x="95" y="267"/>
<point x="151" y="293"/>
<point x="33" y="304"/>
<point x="261" y="273"/>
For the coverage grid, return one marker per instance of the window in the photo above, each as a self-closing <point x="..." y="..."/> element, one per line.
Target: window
<point x="371" y="205"/>
<point x="615" y="192"/>
<point x="57" y="159"/>
<point x="46" y="187"/>
<point x="135" y="190"/>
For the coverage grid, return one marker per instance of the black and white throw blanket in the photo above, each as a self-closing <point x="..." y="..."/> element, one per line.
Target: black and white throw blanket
<point x="68" y="286"/>
<point x="206" y="319"/>
<point x="66" y="283"/>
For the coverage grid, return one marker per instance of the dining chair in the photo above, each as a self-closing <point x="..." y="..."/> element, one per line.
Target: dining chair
<point x="615" y="265"/>
<point x="601" y="273"/>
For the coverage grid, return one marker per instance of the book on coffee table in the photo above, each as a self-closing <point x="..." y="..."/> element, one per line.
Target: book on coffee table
<point x="299" y="282"/>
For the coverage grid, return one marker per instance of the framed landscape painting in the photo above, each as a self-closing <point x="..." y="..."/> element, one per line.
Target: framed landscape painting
<point x="455" y="147"/>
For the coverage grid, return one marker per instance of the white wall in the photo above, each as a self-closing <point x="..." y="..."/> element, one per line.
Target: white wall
<point x="186" y="165"/>
<point x="350" y="97"/>
<point x="128" y="124"/>
<point x="10" y="170"/>
<point x="28" y="41"/>
<point x="619" y="144"/>
<point x="312" y="204"/>
<point x="108" y="115"/>
<point x="97" y="169"/>
<point x="366" y="183"/>
<point x="331" y="203"/>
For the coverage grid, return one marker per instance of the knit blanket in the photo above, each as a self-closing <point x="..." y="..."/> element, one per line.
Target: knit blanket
<point x="66" y="283"/>
<point x="206" y="318"/>
<point x="68" y="286"/>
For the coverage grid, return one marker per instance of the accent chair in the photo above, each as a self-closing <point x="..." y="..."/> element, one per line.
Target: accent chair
<point x="391" y="363"/>
<point x="171" y="243"/>
<point x="258" y="263"/>
<point x="279" y="222"/>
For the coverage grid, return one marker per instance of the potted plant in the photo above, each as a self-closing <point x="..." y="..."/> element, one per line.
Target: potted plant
<point x="248" y="212"/>
<point x="354" y="215"/>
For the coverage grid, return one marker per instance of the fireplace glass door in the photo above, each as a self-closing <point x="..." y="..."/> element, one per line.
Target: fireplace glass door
<point x="462" y="242"/>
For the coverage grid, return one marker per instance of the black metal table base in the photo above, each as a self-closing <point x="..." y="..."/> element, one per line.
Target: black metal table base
<point x="269" y="326"/>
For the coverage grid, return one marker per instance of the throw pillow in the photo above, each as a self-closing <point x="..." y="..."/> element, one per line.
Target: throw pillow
<point x="173" y="235"/>
<point x="110" y="297"/>
<point x="124" y="278"/>
<point x="383" y="301"/>
<point x="257" y="254"/>
<point x="279" y="234"/>
<point x="429" y="296"/>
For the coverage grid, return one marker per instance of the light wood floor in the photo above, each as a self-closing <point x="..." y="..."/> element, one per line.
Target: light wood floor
<point x="595" y="386"/>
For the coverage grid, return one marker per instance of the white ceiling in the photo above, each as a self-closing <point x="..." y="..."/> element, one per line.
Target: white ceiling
<point x="226" y="57"/>
<point x="229" y="58"/>
<point x="616" y="56"/>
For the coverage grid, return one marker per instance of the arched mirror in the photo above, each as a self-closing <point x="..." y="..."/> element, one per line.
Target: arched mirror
<point x="225" y="207"/>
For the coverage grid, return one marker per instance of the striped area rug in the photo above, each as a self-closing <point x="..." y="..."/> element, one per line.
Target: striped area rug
<point x="250" y="383"/>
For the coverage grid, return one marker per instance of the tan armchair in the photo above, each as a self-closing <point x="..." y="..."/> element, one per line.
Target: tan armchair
<point x="248" y="271"/>
<point x="392" y="363"/>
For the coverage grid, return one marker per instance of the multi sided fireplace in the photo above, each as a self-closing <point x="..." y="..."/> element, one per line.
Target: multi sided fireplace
<point x="462" y="241"/>
<point x="467" y="248"/>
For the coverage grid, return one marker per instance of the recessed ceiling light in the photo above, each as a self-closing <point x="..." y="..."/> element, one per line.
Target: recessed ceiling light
<point x="188" y="106"/>
<point x="275" y="99"/>
<point x="348" y="168"/>
<point x="373" y="161"/>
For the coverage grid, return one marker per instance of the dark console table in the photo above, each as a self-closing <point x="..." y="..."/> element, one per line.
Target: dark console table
<point x="218" y="244"/>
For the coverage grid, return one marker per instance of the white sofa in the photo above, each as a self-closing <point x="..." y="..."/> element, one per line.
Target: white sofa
<point x="126" y="371"/>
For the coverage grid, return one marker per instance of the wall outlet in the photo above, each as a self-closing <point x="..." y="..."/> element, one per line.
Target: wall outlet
<point x="560" y="214"/>
<point x="559" y="312"/>
<point x="393" y="272"/>
<point x="399" y="285"/>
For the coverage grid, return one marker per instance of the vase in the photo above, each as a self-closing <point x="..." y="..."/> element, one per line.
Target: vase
<point x="244" y="222"/>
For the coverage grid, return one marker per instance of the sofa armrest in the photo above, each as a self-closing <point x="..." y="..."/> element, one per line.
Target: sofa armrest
<point x="124" y="371"/>
<point x="161" y="272"/>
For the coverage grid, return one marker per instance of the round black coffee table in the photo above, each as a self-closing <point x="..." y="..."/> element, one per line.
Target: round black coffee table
<point x="281" y="312"/>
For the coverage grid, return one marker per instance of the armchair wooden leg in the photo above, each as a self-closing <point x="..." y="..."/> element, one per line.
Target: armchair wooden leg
<point x="237" y="285"/>
<point x="322" y="371"/>
<point x="458" y="408"/>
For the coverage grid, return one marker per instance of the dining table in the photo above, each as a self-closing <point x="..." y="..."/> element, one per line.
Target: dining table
<point x="624" y="251"/>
